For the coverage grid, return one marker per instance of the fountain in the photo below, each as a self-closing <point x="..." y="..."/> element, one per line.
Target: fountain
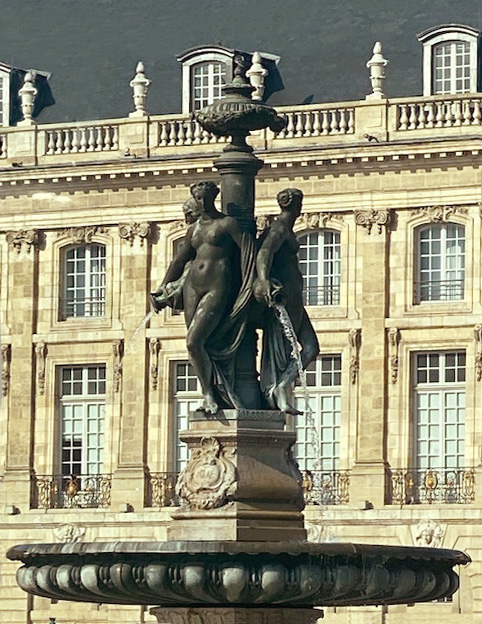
<point x="237" y="550"/>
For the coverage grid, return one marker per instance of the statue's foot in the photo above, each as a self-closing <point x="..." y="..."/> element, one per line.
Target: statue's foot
<point x="209" y="405"/>
<point x="280" y="396"/>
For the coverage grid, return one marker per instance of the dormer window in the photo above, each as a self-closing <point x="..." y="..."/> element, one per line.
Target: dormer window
<point x="204" y="71"/>
<point x="449" y="59"/>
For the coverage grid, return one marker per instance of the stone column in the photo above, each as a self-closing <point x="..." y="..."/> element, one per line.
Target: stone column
<point x="370" y="369"/>
<point x="21" y="317"/>
<point x="129" y="368"/>
<point x="238" y="168"/>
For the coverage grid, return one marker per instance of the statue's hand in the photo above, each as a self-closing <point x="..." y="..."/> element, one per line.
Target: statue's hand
<point x="262" y="290"/>
<point x="158" y="300"/>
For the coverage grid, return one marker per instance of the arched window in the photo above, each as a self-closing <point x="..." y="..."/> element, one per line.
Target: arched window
<point x="440" y="263"/>
<point x="83" y="273"/>
<point x="449" y="59"/>
<point x="320" y="264"/>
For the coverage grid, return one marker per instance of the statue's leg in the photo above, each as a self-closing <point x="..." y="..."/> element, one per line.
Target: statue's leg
<point x="207" y="316"/>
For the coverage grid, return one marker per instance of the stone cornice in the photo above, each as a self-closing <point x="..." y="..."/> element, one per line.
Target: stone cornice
<point x="124" y="172"/>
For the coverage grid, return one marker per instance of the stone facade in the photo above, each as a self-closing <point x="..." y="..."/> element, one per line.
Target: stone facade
<point x="121" y="183"/>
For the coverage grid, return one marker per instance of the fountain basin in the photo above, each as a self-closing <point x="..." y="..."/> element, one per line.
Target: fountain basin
<point x="214" y="574"/>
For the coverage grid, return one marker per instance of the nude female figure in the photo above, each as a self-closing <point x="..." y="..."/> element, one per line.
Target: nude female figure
<point x="278" y="272"/>
<point x="210" y="284"/>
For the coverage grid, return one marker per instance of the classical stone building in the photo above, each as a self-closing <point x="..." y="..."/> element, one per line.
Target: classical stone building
<point x="93" y="398"/>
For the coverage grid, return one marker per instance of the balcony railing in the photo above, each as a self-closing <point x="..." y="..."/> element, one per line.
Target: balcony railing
<point x="444" y="486"/>
<point x="83" y="306"/>
<point x="439" y="290"/>
<point x="322" y="295"/>
<point x="82" y="138"/>
<point x="71" y="492"/>
<point x="439" y="112"/>
<point x="162" y="489"/>
<point x="326" y="487"/>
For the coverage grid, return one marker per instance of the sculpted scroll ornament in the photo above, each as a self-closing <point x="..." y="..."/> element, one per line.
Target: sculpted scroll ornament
<point x="429" y="533"/>
<point x="17" y="239"/>
<point x="82" y="234"/>
<point x="154" y="348"/>
<point x="129" y="231"/>
<point x="209" y="479"/>
<point x="69" y="533"/>
<point x="118" y="348"/>
<point x="314" y="220"/>
<point x="369" y="218"/>
<point x="440" y="214"/>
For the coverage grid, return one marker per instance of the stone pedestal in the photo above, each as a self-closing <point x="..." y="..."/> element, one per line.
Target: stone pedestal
<point x="235" y="615"/>
<point x="241" y="482"/>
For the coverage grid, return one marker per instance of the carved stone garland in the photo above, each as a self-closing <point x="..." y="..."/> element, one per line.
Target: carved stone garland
<point x="354" y="340"/>
<point x="41" y="358"/>
<point x="18" y="239"/>
<point x="393" y="346"/>
<point x="82" y="234"/>
<point x="154" y="348"/>
<point x="129" y="231"/>
<point x="369" y="218"/>
<point x="6" y="359"/>
<point x="478" y="350"/>
<point x="314" y="220"/>
<point x="209" y="479"/>
<point x="118" y="348"/>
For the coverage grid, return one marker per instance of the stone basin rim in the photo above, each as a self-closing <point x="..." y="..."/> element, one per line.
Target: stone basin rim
<point x="28" y="552"/>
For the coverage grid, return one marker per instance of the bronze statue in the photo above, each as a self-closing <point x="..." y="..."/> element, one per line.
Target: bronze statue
<point x="280" y="280"/>
<point x="214" y="269"/>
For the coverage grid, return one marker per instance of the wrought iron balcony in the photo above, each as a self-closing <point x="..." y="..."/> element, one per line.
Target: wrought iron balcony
<point x="162" y="489"/>
<point x="83" y="306"/>
<point x="439" y="290"/>
<point x="326" y="487"/>
<point x="71" y="492"/>
<point x="443" y="486"/>
<point x="322" y="295"/>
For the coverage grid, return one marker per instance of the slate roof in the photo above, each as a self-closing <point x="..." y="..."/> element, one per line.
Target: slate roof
<point x="91" y="47"/>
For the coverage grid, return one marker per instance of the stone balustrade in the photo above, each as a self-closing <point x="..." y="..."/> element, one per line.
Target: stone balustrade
<point x="78" y="139"/>
<point x="439" y="112"/>
<point x="361" y="122"/>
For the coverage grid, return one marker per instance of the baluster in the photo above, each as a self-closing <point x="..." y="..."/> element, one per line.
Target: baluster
<point x="91" y="139"/>
<point x="421" y="116"/>
<point x="197" y="133"/>
<point x="290" y="128"/>
<point x="3" y="147"/>
<point x="449" y="116"/>
<point x="413" y="117"/>
<point x="351" y="121"/>
<point x="308" y="125"/>
<point x="205" y="136"/>
<point x="282" y="133"/>
<point x="51" y="142"/>
<point x="83" y="139"/>
<point x="440" y="117"/>
<point x="467" y="113"/>
<point x="213" y="138"/>
<point x="67" y="142"/>
<point x="58" y="141"/>
<point x="316" y="124"/>
<point x="326" y="123"/>
<point x="188" y="139"/>
<point x="108" y="137"/>
<point x="458" y="113"/>
<point x="334" y="126"/>
<point x="98" y="139"/>
<point x="299" y="124"/>
<point x="476" y="114"/>
<point x="403" y="123"/>
<point x="172" y="133"/>
<point x="163" y="135"/>
<point x="75" y="141"/>
<point x="342" y="121"/>
<point x="115" y="137"/>
<point x="430" y="115"/>
<point x="181" y="134"/>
